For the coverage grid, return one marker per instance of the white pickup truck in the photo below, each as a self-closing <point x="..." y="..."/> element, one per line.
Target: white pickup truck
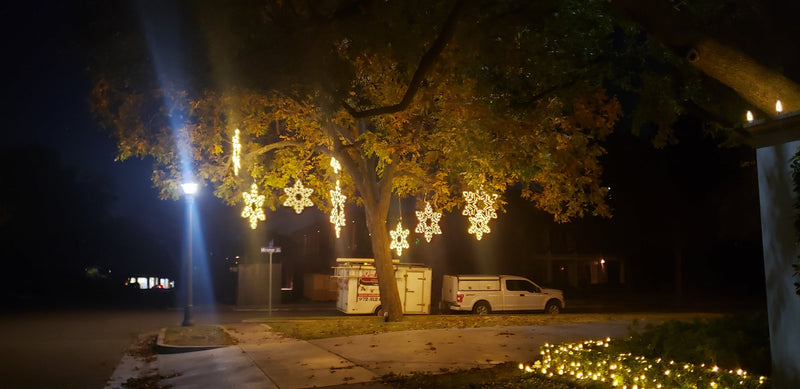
<point x="483" y="294"/>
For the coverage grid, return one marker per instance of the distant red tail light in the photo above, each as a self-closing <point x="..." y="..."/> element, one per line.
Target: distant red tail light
<point x="460" y="297"/>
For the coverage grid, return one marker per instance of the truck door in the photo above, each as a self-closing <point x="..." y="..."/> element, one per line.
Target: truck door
<point x="522" y="295"/>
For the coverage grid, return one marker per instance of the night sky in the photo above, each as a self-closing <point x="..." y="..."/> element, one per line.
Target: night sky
<point x="46" y="100"/>
<point x="45" y="92"/>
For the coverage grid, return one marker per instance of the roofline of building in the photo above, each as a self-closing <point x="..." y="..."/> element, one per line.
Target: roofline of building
<point x="778" y="130"/>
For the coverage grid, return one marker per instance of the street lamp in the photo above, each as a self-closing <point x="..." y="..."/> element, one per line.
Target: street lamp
<point x="189" y="188"/>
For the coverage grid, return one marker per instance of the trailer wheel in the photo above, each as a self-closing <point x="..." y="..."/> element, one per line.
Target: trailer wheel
<point x="553" y="307"/>
<point x="481" y="308"/>
<point x="380" y="312"/>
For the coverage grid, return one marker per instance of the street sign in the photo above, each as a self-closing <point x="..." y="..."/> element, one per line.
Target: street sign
<point x="271" y="249"/>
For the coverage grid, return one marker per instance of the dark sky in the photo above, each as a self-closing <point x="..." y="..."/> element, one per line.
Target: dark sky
<point x="47" y="84"/>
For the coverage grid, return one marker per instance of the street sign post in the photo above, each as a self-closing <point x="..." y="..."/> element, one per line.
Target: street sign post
<point x="271" y="249"/>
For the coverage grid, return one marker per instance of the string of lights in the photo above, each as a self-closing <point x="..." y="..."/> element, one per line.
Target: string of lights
<point x="237" y="153"/>
<point x="337" y="202"/>
<point x="590" y="361"/>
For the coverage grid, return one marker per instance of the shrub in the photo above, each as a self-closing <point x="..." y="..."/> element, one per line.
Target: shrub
<point x="734" y="341"/>
<point x="711" y="353"/>
<point x="593" y="363"/>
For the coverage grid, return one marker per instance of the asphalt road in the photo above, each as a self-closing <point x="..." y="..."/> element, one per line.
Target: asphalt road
<point x="80" y="348"/>
<point x="70" y="349"/>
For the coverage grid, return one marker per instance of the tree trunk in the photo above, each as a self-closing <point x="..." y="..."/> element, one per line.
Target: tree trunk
<point x="387" y="283"/>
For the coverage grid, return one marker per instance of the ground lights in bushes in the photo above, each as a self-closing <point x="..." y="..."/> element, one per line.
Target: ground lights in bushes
<point x="590" y="361"/>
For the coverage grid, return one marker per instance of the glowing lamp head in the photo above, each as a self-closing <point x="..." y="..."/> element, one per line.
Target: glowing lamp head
<point x="189" y="188"/>
<point x="749" y="117"/>
<point x="778" y="107"/>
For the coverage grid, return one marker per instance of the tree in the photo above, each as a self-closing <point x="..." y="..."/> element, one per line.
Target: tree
<point x="430" y="101"/>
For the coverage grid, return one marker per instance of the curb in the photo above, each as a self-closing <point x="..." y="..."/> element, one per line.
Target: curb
<point x="283" y="309"/>
<point x="163" y="348"/>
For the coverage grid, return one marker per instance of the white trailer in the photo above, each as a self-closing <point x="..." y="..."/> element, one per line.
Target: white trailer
<point x="357" y="282"/>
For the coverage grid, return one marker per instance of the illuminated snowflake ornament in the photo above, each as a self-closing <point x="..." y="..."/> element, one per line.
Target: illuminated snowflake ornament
<point x="471" y="206"/>
<point x="399" y="236"/>
<point x="337" y="211"/>
<point x="428" y="222"/>
<point x="237" y="153"/>
<point x="480" y="210"/>
<point x="336" y="165"/>
<point x="479" y="225"/>
<point x="298" y="197"/>
<point x="252" y="206"/>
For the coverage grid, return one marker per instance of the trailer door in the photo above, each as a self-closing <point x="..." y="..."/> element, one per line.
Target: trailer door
<point x="415" y="287"/>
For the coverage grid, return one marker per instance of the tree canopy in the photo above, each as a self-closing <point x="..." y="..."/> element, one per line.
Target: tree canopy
<point x="451" y="111"/>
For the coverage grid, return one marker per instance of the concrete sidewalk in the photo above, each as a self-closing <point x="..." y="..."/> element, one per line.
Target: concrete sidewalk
<point x="264" y="359"/>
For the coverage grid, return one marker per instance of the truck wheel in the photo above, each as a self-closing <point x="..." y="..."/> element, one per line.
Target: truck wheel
<point x="481" y="308"/>
<point x="553" y="308"/>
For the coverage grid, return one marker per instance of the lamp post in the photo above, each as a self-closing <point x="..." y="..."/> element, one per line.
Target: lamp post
<point x="189" y="188"/>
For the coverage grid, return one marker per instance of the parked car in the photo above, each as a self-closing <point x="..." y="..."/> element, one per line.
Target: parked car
<point x="483" y="294"/>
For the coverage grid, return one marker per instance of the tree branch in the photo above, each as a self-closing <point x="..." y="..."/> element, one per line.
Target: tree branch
<point x="339" y="130"/>
<point x="425" y="64"/>
<point x="276" y="146"/>
<point x="423" y="183"/>
<point x="349" y="164"/>
<point x="285" y="144"/>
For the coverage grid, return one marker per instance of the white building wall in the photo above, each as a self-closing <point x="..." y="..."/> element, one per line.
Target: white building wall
<point x="776" y="199"/>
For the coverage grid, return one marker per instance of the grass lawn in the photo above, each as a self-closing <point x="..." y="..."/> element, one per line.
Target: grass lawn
<point x="506" y="375"/>
<point x="335" y="326"/>
<point x="199" y="335"/>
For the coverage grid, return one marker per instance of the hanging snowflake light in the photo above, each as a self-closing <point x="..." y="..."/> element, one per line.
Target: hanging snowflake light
<point x="237" y="153"/>
<point x="297" y="197"/>
<point x="335" y="165"/>
<point x="471" y="200"/>
<point x="425" y="227"/>
<point x="337" y="211"/>
<point x="252" y="206"/>
<point x="399" y="236"/>
<point x="480" y="210"/>
<point x="479" y="225"/>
